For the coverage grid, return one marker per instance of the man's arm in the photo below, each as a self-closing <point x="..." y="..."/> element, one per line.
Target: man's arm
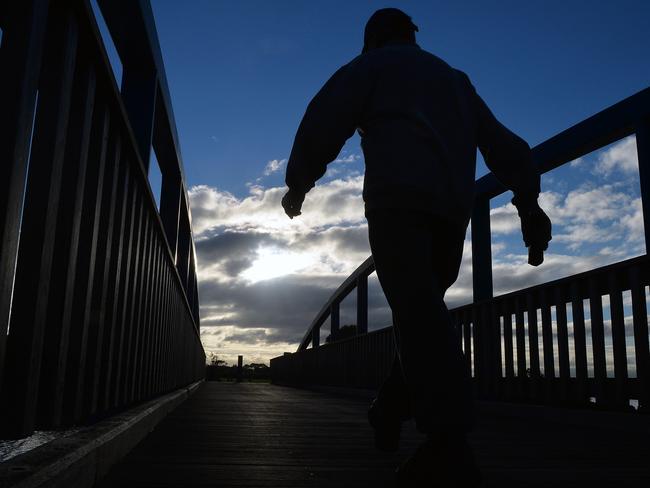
<point x="509" y="157"/>
<point x="330" y="120"/>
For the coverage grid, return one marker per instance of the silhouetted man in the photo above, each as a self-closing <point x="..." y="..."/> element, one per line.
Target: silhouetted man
<point x="420" y="122"/>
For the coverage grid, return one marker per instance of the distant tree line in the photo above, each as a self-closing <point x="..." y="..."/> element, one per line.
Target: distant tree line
<point x="219" y="370"/>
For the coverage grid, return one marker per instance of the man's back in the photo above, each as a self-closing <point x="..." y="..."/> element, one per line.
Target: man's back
<point x="420" y="121"/>
<point x="419" y="133"/>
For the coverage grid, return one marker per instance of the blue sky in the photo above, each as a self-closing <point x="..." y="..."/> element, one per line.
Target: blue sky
<point x="241" y="75"/>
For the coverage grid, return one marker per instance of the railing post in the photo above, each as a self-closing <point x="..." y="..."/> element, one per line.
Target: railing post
<point x="315" y="337"/>
<point x="35" y="254"/>
<point x="170" y="206"/>
<point x="643" y="154"/>
<point x="335" y="316"/>
<point x="139" y="86"/>
<point x="240" y="368"/>
<point x="481" y="251"/>
<point x="184" y="245"/>
<point x="20" y="61"/>
<point x="362" y="304"/>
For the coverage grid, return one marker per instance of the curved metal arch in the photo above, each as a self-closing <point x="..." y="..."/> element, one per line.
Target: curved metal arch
<point x="363" y="271"/>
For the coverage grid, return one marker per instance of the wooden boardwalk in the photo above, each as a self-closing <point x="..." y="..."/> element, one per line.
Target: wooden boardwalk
<point x="260" y="435"/>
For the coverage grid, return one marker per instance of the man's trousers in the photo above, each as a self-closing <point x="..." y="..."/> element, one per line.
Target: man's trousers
<point x="417" y="257"/>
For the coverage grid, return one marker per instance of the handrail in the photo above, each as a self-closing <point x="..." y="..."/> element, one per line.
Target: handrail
<point x="529" y="345"/>
<point x="98" y="288"/>
<point x="365" y="269"/>
<point x="141" y="170"/>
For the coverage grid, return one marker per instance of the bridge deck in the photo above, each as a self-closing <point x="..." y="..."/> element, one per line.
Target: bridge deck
<point x="259" y="435"/>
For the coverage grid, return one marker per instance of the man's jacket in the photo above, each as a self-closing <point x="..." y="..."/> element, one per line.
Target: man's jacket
<point x="420" y="122"/>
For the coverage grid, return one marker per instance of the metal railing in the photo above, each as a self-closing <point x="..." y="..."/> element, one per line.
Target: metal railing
<point x="486" y="325"/>
<point x="98" y="295"/>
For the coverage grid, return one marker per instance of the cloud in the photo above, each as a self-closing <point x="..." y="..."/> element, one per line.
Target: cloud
<point x="274" y="166"/>
<point x="350" y="158"/>
<point x="263" y="277"/>
<point x="260" y="270"/>
<point x="621" y="156"/>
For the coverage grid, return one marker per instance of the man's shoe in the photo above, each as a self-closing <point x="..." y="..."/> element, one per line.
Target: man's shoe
<point x="387" y="425"/>
<point x="435" y="465"/>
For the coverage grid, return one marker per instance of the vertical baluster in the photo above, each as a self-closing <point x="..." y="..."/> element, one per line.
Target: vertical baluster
<point x="562" y="343"/>
<point x="315" y="337"/>
<point x="496" y="352"/>
<point x="24" y="346"/>
<point x="598" y="341"/>
<point x="87" y="259"/>
<point x="335" y="316"/>
<point x="362" y="304"/>
<point x="533" y="347"/>
<point x="547" y="344"/>
<point x="64" y="261"/>
<point x="114" y="281"/>
<point x="20" y="62"/>
<point x="521" y="348"/>
<point x="137" y="312"/>
<point x="641" y="347"/>
<point x="143" y="312"/>
<point x="157" y="341"/>
<point x="124" y="361"/>
<point x="580" y="341"/>
<point x="618" y="341"/>
<point x="508" y="349"/>
<point x="467" y="340"/>
<point x="125" y="297"/>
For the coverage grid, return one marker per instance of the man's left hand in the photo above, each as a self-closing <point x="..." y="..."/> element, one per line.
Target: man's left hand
<point x="292" y="203"/>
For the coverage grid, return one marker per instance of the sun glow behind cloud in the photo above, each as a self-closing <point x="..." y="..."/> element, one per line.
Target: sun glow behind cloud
<point x="274" y="262"/>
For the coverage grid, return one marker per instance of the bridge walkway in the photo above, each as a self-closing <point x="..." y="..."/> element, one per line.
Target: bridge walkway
<point x="261" y="435"/>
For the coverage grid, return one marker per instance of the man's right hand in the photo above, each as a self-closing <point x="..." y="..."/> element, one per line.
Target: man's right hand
<point x="536" y="230"/>
<point x="292" y="203"/>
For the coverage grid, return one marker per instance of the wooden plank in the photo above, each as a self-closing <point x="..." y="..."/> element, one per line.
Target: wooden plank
<point x="619" y="345"/>
<point x="64" y="261"/>
<point x="308" y="439"/>
<point x="34" y="264"/>
<point x="86" y="259"/>
<point x="598" y="342"/>
<point x="580" y="343"/>
<point x="20" y="63"/>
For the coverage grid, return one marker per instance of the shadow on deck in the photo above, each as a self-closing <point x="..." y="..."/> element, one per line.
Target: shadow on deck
<point x="255" y="435"/>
